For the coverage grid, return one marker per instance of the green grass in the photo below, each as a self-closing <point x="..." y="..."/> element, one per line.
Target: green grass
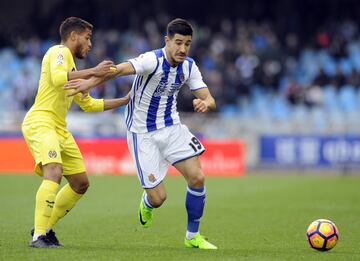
<point x="249" y="218"/>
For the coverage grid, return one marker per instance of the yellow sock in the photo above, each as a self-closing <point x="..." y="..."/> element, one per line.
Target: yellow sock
<point x="45" y="199"/>
<point x="64" y="202"/>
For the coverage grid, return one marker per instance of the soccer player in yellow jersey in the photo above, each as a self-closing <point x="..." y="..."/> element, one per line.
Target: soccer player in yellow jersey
<point x="53" y="147"/>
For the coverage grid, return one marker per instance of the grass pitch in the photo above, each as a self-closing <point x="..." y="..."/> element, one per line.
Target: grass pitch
<point x="248" y="218"/>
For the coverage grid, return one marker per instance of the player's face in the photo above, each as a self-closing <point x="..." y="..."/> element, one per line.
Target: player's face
<point x="83" y="44"/>
<point x="178" y="47"/>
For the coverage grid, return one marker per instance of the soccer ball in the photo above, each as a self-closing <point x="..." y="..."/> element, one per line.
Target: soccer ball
<point x="322" y="234"/>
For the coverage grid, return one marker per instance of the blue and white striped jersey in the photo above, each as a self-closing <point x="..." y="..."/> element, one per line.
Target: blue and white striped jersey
<point x="152" y="103"/>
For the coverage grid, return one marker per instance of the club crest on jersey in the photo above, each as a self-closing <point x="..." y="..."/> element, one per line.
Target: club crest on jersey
<point x="60" y="59"/>
<point x="52" y="154"/>
<point x="182" y="77"/>
<point x="152" y="178"/>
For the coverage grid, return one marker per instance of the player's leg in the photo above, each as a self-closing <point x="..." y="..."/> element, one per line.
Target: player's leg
<point x="68" y="196"/>
<point x="155" y="197"/>
<point x="78" y="183"/>
<point x="150" y="199"/>
<point x="183" y="152"/>
<point x="44" y="203"/>
<point x="195" y="202"/>
<point x="45" y="199"/>
<point x="151" y="170"/>
<point x="195" y="195"/>
<point x="46" y="151"/>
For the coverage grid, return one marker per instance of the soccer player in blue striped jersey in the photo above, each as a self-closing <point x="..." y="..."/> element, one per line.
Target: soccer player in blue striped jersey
<point x="156" y="137"/>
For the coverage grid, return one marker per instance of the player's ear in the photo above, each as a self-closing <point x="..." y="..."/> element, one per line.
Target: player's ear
<point x="73" y="35"/>
<point x="167" y="39"/>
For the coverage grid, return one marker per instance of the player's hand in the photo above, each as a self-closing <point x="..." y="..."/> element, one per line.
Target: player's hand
<point x="126" y="98"/>
<point x="104" y="68"/>
<point x="78" y="85"/>
<point x="200" y="105"/>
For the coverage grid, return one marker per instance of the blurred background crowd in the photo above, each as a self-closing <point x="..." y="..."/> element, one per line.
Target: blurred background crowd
<point x="293" y="65"/>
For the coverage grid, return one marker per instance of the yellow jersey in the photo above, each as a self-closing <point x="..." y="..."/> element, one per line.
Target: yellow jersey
<point x="51" y="103"/>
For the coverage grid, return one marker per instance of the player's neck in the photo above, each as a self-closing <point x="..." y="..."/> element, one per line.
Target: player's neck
<point x="69" y="46"/>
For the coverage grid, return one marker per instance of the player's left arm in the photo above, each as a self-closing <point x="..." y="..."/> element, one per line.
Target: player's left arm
<point x="115" y="103"/>
<point x="204" y="101"/>
<point x="90" y="104"/>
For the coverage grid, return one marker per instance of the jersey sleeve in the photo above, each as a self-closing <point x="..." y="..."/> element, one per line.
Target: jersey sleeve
<point x="145" y="63"/>
<point x="195" y="80"/>
<point x="89" y="104"/>
<point x="59" y="66"/>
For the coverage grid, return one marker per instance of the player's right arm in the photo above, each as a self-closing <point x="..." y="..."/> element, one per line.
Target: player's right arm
<point x="142" y="65"/>
<point x="62" y="67"/>
<point x="84" y="85"/>
<point x="102" y="69"/>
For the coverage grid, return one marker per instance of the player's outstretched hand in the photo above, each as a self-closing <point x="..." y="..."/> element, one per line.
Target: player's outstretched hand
<point x="200" y="105"/>
<point x="78" y="85"/>
<point x="125" y="99"/>
<point x="104" y="68"/>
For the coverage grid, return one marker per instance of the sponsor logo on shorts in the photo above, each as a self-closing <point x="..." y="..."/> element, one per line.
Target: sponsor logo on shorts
<point x="152" y="178"/>
<point x="52" y="154"/>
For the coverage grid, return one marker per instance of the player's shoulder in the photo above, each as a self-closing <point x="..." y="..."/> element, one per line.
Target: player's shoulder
<point x="56" y="49"/>
<point x="190" y="62"/>
<point x="150" y="55"/>
<point x="147" y="57"/>
<point x="189" y="59"/>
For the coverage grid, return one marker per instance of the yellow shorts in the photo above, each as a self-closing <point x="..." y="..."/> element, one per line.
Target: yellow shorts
<point x="50" y="146"/>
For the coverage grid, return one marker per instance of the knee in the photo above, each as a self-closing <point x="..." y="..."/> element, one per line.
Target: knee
<point x="157" y="200"/>
<point x="81" y="187"/>
<point x="197" y="180"/>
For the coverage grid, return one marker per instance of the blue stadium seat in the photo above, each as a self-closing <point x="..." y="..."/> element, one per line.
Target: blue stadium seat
<point x="229" y="110"/>
<point x="318" y="119"/>
<point x="348" y="98"/>
<point x="279" y="108"/>
<point x="330" y="102"/>
<point x="345" y="66"/>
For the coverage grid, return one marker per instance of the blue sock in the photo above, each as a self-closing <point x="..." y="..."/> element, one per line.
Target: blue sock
<point x="146" y="201"/>
<point x="195" y="201"/>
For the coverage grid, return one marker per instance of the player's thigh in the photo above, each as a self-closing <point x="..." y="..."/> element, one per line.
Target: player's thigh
<point x="44" y="145"/>
<point x="150" y="165"/>
<point x="191" y="170"/>
<point x="73" y="162"/>
<point x="52" y="171"/>
<point x="182" y="145"/>
<point x="183" y="152"/>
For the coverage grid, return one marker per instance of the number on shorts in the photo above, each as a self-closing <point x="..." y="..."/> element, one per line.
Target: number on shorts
<point x="195" y="144"/>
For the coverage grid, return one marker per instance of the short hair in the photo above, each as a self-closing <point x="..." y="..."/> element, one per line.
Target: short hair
<point x="73" y="24"/>
<point x="179" y="26"/>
